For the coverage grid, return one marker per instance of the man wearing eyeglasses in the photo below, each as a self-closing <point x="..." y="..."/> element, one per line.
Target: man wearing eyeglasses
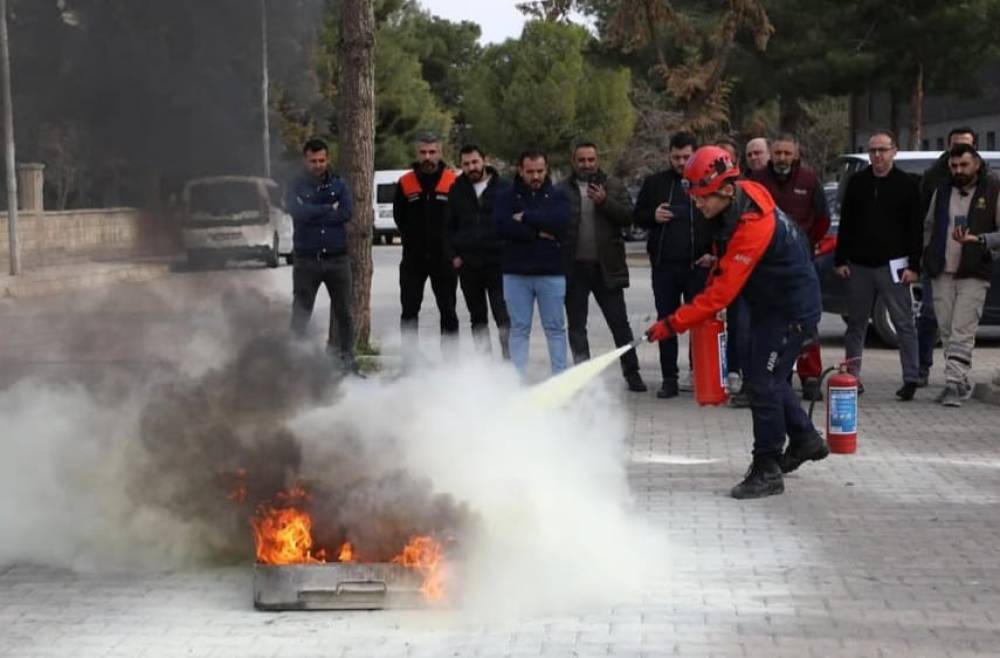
<point x="878" y="251"/>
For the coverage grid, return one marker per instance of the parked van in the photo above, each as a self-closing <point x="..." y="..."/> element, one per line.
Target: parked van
<point x="234" y="217"/>
<point x="384" y="191"/>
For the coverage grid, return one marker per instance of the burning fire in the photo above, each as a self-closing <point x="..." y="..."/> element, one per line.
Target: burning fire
<point x="283" y="534"/>
<point x="424" y="555"/>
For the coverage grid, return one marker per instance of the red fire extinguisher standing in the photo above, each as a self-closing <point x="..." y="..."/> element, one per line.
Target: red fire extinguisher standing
<point x="708" y="356"/>
<point x="842" y="411"/>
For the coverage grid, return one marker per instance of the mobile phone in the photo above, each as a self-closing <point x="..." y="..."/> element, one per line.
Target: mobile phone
<point x="961" y="221"/>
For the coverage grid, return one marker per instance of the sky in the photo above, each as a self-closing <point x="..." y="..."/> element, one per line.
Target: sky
<point x="498" y="19"/>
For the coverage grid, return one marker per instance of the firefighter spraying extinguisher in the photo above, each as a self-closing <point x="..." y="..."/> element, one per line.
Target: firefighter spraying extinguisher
<point x="708" y="356"/>
<point x="841" y="410"/>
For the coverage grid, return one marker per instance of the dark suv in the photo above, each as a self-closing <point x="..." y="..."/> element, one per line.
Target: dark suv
<point x="835" y="288"/>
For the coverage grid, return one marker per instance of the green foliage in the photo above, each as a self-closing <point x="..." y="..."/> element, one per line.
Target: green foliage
<point x="404" y="103"/>
<point x="540" y="91"/>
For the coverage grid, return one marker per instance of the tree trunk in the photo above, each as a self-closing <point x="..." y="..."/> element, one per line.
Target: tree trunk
<point x="917" y="109"/>
<point x="356" y="130"/>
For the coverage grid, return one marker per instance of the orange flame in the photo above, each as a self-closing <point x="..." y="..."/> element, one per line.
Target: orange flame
<point x="424" y="555"/>
<point x="346" y="553"/>
<point x="284" y="536"/>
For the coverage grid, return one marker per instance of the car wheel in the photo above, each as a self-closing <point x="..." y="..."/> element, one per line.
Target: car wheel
<point x="289" y="259"/>
<point x="387" y="238"/>
<point x="883" y="325"/>
<point x="272" y="257"/>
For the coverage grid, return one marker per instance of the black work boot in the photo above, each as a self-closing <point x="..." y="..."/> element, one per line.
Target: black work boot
<point x="763" y="478"/>
<point x="811" y="449"/>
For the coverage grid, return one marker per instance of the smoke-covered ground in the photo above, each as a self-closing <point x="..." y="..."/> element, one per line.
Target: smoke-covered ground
<point x="136" y="469"/>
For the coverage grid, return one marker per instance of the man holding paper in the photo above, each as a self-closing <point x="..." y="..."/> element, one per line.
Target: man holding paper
<point x="878" y="251"/>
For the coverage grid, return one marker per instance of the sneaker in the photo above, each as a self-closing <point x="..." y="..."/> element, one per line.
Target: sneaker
<point x="667" y="390"/>
<point x="685" y="382"/>
<point x="965" y="391"/>
<point x="734" y="382"/>
<point x="763" y="478"/>
<point x="949" y="396"/>
<point x="634" y="383"/>
<point x="923" y="380"/>
<point x="811" y="449"/>
<point x="811" y="390"/>
<point x="907" y="391"/>
<point x="861" y="388"/>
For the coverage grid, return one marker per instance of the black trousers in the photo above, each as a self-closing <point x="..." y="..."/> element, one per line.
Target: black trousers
<point x="671" y="282"/>
<point x="413" y="275"/>
<point x="308" y="274"/>
<point x="482" y="282"/>
<point x="583" y="280"/>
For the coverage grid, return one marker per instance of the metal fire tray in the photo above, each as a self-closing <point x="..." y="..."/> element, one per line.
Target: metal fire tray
<point x="336" y="586"/>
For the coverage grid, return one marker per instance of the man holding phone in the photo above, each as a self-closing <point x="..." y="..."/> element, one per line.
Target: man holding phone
<point x="599" y="210"/>
<point x="679" y="246"/>
<point x="962" y="220"/>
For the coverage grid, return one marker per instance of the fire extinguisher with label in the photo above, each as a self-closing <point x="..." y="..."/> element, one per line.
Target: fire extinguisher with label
<point x="708" y="359"/>
<point x="841" y="410"/>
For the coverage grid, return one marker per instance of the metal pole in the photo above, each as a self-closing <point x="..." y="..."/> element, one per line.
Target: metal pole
<point x="8" y="134"/>
<point x="264" y="103"/>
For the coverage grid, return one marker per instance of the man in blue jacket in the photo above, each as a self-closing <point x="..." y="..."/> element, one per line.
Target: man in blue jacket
<point x="532" y="217"/>
<point x="320" y="205"/>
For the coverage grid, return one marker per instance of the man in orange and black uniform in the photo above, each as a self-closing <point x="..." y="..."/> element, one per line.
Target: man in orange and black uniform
<point x="797" y="191"/>
<point x="764" y="256"/>
<point x="420" y="212"/>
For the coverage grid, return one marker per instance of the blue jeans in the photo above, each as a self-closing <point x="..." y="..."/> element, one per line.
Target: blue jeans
<point x="775" y="407"/>
<point x="520" y="292"/>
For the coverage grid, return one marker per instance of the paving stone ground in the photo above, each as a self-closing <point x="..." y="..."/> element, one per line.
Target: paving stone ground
<point x="891" y="551"/>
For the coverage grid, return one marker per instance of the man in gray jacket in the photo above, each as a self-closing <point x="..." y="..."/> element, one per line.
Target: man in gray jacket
<point x="595" y="250"/>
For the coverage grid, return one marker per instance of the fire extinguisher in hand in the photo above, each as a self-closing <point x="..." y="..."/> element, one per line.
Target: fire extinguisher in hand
<point x="708" y="359"/>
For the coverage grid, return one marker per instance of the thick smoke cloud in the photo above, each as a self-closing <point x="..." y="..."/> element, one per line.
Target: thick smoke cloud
<point x="138" y="470"/>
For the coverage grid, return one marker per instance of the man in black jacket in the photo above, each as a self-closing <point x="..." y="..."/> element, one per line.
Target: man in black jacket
<point x="679" y="246"/>
<point x="599" y="210"/>
<point x="878" y="251"/>
<point x="476" y="246"/>
<point x="320" y="205"/>
<point x="419" y="211"/>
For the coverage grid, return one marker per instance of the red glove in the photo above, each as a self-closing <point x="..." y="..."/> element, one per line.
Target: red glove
<point x="659" y="331"/>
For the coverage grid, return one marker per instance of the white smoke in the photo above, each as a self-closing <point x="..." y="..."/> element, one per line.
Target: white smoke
<point x="555" y="531"/>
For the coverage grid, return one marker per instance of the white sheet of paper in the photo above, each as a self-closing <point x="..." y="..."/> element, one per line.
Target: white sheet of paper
<point x="896" y="267"/>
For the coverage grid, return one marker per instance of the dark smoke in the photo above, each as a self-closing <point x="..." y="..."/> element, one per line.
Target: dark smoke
<point x="185" y="439"/>
<point x="231" y="427"/>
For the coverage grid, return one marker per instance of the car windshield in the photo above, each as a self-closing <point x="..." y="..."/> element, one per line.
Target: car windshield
<point x="224" y="199"/>
<point x="385" y="193"/>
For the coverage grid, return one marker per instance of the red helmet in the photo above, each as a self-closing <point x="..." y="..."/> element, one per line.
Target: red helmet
<point x="707" y="169"/>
